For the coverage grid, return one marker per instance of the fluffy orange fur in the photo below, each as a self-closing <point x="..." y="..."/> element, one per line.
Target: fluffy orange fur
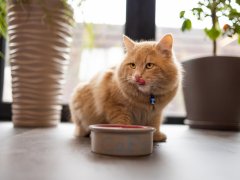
<point x="121" y="94"/>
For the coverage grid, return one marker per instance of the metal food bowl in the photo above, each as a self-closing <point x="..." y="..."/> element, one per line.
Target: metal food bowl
<point x="121" y="140"/>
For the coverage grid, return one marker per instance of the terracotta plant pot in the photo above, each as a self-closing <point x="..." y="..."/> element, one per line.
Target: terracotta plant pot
<point x="39" y="40"/>
<point x="212" y="93"/>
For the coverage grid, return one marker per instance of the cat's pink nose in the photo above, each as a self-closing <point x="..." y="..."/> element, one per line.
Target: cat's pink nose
<point x="139" y="80"/>
<point x="137" y="77"/>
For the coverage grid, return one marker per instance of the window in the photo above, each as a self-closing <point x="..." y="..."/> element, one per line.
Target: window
<point x="7" y="88"/>
<point x="97" y="40"/>
<point x="97" y="43"/>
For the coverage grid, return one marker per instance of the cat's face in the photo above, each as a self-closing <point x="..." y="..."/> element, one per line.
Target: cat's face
<point x="149" y="67"/>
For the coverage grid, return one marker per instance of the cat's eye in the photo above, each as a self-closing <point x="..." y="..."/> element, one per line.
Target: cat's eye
<point x="149" y="65"/>
<point x="132" y="65"/>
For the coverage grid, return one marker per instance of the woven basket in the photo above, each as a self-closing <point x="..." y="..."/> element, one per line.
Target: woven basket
<point x="39" y="40"/>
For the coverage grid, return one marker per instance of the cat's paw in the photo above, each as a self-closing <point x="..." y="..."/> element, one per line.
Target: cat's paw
<point x="80" y="131"/>
<point x="159" y="137"/>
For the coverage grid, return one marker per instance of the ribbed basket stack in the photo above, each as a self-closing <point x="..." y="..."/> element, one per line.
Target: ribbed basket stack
<point x="39" y="41"/>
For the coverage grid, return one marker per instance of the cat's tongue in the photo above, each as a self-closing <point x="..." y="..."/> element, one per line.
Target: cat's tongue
<point x="141" y="81"/>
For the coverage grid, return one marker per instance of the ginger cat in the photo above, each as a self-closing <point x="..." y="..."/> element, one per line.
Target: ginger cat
<point x="135" y="92"/>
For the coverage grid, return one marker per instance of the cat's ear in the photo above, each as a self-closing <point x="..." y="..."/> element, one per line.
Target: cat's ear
<point x="165" y="45"/>
<point x="128" y="43"/>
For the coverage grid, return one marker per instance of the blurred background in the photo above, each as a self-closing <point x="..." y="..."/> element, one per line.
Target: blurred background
<point x="97" y="40"/>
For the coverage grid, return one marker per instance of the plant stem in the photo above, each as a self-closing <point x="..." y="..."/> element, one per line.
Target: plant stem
<point x="214" y="23"/>
<point x="214" y="48"/>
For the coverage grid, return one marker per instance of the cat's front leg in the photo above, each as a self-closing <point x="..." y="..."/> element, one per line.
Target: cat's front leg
<point x="158" y="136"/>
<point x="118" y="115"/>
<point x="80" y="131"/>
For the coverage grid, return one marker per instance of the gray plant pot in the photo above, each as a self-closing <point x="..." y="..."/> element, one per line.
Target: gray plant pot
<point x="212" y="92"/>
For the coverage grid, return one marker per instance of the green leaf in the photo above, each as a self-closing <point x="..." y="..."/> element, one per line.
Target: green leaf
<point x="3" y="25"/>
<point x="89" y="36"/>
<point x="238" y="38"/>
<point x="237" y="29"/>
<point x="197" y="12"/>
<point x="212" y="33"/>
<point x="187" y="25"/>
<point x="238" y="2"/>
<point x="181" y="14"/>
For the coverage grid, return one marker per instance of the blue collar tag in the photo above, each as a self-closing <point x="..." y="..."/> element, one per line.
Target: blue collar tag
<point x="152" y="99"/>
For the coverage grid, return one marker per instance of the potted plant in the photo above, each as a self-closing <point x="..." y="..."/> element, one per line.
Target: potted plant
<point x="212" y="84"/>
<point x="39" y="34"/>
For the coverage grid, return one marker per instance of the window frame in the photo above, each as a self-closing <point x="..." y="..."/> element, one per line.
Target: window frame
<point x="140" y="19"/>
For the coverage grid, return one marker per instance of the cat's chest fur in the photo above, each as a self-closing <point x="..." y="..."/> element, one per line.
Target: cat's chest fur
<point x="141" y="116"/>
<point x="108" y="96"/>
